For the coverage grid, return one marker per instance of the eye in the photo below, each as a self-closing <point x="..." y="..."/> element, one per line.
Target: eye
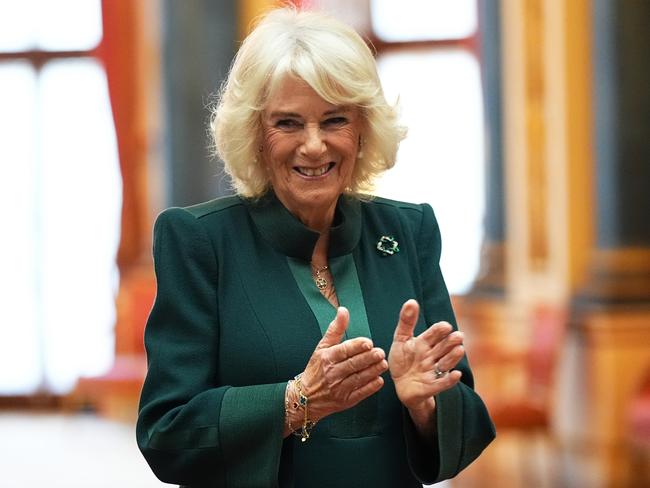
<point x="335" y="121"/>
<point x="288" y="124"/>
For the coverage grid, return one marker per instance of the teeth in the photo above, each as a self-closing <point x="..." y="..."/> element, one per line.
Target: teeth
<point x="313" y="171"/>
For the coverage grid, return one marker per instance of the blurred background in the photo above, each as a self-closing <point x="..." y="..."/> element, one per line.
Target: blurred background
<point x="529" y="135"/>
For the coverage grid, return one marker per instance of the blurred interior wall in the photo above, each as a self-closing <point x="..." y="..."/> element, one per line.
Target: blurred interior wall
<point x="491" y="276"/>
<point x="165" y="61"/>
<point x="199" y="41"/>
<point x="577" y="139"/>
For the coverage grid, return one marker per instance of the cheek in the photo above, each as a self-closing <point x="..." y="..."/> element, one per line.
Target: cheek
<point x="271" y="147"/>
<point x="347" y="142"/>
<point x="275" y="147"/>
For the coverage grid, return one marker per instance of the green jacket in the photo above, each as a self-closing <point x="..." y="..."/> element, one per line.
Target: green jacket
<point x="237" y="315"/>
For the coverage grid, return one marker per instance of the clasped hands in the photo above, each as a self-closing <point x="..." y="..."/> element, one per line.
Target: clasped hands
<point x="341" y="374"/>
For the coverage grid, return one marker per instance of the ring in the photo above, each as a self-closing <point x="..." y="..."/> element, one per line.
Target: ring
<point x="439" y="374"/>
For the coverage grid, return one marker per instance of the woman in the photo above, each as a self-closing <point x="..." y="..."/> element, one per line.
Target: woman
<point x="266" y="343"/>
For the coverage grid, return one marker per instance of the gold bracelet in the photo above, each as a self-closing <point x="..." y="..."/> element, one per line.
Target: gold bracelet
<point x="303" y="402"/>
<point x="286" y="407"/>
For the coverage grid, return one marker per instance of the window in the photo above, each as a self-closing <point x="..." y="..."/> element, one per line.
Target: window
<point x="60" y="197"/>
<point x="423" y="20"/>
<point x="427" y="59"/>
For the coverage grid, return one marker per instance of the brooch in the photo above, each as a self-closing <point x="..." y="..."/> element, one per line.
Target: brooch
<point x="387" y="246"/>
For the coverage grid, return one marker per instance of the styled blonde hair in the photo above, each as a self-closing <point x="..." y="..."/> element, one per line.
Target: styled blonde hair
<point x="329" y="56"/>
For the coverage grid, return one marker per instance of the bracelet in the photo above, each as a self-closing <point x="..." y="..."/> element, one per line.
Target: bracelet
<point x="286" y="406"/>
<point x="303" y="402"/>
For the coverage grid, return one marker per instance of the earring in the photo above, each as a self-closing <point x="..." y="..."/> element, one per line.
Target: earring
<point x="360" y="151"/>
<point x="260" y="148"/>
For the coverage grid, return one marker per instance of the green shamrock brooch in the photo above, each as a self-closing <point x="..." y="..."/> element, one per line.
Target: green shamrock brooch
<point x="387" y="246"/>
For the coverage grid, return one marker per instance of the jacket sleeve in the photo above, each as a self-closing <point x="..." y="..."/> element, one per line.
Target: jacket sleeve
<point x="464" y="427"/>
<point x="191" y="430"/>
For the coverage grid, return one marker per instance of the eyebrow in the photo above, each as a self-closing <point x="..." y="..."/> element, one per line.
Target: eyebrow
<point x="281" y="114"/>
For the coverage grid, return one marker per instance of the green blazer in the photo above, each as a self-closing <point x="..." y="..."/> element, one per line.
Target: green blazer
<point x="237" y="315"/>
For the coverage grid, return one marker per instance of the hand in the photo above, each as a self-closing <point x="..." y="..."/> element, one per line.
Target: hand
<point x="341" y="374"/>
<point x="413" y="360"/>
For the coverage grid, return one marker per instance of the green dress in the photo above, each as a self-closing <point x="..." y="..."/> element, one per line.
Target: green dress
<point x="237" y="315"/>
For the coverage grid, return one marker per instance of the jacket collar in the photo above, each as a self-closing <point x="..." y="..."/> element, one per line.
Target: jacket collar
<point x="286" y="234"/>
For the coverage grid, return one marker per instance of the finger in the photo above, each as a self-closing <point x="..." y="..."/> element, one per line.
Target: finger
<point x="359" y="378"/>
<point x="438" y="385"/>
<point x="451" y="359"/>
<point x="447" y="344"/>
<point x="428" y="362"/>
<point x="408" y="317"/>
<point x="366" y="390"/>
<point x="358" y="362"/>
<point x="433" y="386"/>
<point x="436" y="332"/>
<point x="348" y="349"/>
<point x="429" y="355"/>
<point x="447" y="381"/>
<point x="336" y="330"/>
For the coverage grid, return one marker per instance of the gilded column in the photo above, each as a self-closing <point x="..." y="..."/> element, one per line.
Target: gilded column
<point x="620" y="266"/>
<point x="613" y="308"/>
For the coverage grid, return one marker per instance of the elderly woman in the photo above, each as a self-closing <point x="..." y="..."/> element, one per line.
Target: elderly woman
<point x="276" y="307"/>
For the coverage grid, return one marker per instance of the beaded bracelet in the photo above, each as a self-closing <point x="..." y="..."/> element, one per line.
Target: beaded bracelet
<point x="303" y="401"/>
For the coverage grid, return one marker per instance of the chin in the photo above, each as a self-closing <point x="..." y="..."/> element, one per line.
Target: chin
<point x="323" y="199"/>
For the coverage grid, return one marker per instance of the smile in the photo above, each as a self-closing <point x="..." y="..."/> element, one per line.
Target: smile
<point x="314" y="172"/>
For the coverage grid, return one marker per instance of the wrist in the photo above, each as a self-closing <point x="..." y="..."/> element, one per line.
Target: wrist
<point x="423" y="413"/>
<point x="296" y="407"/>
<point x="292" y="416"/>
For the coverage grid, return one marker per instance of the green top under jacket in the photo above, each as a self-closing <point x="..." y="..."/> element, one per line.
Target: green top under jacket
<point x="237" y="315"/>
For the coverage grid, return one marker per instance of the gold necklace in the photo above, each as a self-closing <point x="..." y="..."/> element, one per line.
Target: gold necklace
<point x="321" y="281"/>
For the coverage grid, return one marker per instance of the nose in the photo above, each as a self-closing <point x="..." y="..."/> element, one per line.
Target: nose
<point x="313" y="145"/>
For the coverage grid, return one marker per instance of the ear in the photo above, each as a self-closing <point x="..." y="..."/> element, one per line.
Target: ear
<point x="259" y="153"/>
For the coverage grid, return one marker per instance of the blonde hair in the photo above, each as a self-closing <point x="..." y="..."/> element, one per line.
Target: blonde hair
<point x="329" y="56"/>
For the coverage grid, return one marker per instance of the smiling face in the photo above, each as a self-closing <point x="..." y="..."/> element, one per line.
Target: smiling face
<point x="309" y="147"/>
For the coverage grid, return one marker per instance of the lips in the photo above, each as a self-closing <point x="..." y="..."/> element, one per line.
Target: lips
<point x="314" y="172"/>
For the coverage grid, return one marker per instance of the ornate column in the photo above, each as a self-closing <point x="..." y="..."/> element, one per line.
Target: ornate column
<point x="613" y="307"/>
<point x="620" y="264"/>
<point x="482" y="310"/>
<point x="547" y="162"/>
<point x="491" y="279"/>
